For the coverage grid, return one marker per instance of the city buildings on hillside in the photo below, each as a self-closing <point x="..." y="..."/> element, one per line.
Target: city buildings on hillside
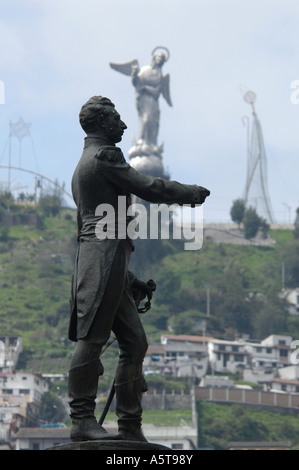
<point x="194" y="356"/>
<point x="266" y="363"/>
<point x="20" y="396"/>
<point x="178" y="355"/>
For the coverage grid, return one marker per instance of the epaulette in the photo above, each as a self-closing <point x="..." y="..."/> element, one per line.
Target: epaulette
<point x="110" y="154"/>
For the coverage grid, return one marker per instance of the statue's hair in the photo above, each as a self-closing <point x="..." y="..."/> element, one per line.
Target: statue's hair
<point x="95" y="109"/>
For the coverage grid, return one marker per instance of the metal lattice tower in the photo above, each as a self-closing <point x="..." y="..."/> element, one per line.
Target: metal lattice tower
<point x="256" y="190"/>
<point x="21" y="129"/>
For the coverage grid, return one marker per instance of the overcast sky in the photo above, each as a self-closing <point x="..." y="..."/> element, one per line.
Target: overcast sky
<point x="55" y="55"/>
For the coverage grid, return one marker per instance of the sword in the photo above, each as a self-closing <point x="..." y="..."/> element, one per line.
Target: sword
<point x="112" y="390"/>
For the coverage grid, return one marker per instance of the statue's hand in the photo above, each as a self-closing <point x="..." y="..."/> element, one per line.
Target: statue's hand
<point x="134" y="70"/>
<point x="200" y="195"/>
<point x="142" y="289"/>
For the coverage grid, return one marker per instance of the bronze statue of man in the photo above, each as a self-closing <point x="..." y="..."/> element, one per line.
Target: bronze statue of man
<point x="102" y="289"/>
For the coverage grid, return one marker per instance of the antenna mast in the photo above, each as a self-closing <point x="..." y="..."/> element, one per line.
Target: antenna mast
<point x="256" y="192"/>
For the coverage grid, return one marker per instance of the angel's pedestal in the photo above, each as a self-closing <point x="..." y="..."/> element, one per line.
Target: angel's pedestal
<point x="147" y="159"/>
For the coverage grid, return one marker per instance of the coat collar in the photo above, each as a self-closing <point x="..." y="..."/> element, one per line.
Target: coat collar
<point x="97" y="141"/>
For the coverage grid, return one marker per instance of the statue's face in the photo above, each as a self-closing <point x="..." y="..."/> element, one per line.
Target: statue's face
<point x="114" y="126"/>
<point x="159" y="58"/>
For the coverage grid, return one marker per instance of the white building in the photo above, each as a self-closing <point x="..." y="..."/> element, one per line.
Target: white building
<point x="196" y="344"/>
<point x="10" y="349"/>
<point x="22" y="386"/>
<point x="282" y="345"/>
<point x="186" y="355"/>
<point x="262" y="356"/>
<point x="227" y="356"/>
<point x="217" y="381"/>
<point x="260" y="375"/>
<point x="285" y="385"/>
<point x="289" y="372"/>
<point x="179" y="437"/>
<point x="41" y="438"/>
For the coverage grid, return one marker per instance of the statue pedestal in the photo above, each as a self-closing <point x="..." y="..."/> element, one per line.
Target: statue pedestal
<point x="111" y="445"/>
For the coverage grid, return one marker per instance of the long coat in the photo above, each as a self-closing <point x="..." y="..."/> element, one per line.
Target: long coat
<point x="101" y="176"/>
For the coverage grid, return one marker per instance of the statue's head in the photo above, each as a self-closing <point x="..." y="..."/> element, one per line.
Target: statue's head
<point x="159" y="59"/>
<point x="98" y="116"/>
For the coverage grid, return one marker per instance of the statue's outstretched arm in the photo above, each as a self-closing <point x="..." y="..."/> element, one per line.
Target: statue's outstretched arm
<point x="112" y="164"/>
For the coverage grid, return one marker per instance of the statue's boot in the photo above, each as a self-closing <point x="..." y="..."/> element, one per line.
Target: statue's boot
<point x="129" y="410"/>
<point x="83" y="386"/>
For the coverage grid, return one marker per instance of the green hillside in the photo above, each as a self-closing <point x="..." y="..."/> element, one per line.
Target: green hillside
<point x="243" y="282"/>
<point x="219" y="425"/>
<point x="35" y="274"/>
<point x="36" y="265"/>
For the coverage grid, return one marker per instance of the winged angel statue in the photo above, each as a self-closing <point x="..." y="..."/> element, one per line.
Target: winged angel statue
<point x="149" y="83"/>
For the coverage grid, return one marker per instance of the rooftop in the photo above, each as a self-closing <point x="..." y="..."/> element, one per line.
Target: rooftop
<point x="189" y="338"/>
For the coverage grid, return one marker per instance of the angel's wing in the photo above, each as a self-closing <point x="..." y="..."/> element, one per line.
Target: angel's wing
<point x="165" y="88"/>
<point x="125" y="68"/>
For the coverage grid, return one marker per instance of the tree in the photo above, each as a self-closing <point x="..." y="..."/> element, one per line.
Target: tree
<point x="291" y="261"/>
<point x="6" y="199"/>
<point x="50" y="205"/>
<point x="4" y="233"/>
<point x="251" y="223"/>
<point x="270" y="316"/>
<point x="52" y="201"/>
<point x="231" y="304"/>
<point x="52" y="409"/>
<point x="168" y="288"/>
<point x="182" y="324"/>
<point x="264" y="227"/>
<point x="237" y="211"/>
